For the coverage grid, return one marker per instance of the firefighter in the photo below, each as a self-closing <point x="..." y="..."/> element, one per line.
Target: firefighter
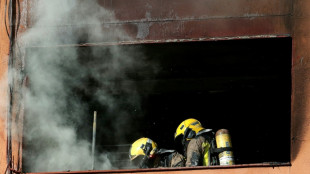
<point x="197" y="143"/>
<point x="144" y="153"/>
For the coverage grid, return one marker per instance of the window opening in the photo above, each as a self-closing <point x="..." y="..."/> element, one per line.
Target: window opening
<point x="240" y="85"/>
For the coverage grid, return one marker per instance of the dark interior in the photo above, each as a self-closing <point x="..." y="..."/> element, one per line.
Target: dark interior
<point x="240" y="85"/>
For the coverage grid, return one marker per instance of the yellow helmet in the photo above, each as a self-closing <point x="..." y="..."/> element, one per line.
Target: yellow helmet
<point x="188" y="129"/>
<point x="143" y="146"/>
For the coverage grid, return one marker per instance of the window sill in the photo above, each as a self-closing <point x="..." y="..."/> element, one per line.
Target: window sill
<point x="257" y="165"/>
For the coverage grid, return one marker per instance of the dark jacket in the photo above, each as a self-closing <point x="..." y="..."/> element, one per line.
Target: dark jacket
<point x="170" y="158"/>
<point x="196" y="149"/>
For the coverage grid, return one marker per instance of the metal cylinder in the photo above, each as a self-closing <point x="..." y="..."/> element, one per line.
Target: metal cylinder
<point x="94" y="140"/>
<point x="223" y="140"/>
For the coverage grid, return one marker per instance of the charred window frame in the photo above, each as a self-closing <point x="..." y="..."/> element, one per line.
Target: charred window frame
<point x="241" y="85"/>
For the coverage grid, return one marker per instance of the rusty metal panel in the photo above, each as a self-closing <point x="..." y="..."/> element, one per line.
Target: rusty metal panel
<point x="177" y="20"/>
<point x="178" y="31"/>
<point x="160" y="10"/>
<point x="197" y="29"/>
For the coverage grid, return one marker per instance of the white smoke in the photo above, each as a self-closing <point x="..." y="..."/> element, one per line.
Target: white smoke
<point x="53" y="110"/>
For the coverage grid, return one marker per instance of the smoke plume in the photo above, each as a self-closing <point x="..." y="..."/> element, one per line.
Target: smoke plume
<point x="66" y="83"/>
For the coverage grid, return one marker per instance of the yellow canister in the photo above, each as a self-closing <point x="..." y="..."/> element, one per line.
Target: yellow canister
<point x="223" y="140"/>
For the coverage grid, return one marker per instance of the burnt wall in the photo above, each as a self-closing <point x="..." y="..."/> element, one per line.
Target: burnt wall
<point x="174" y="21"/>
<point x="12" y="24"/>
<point x="300" y="94"/>
<point x="178" y="21"/>
<point x="4" y="51"/>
